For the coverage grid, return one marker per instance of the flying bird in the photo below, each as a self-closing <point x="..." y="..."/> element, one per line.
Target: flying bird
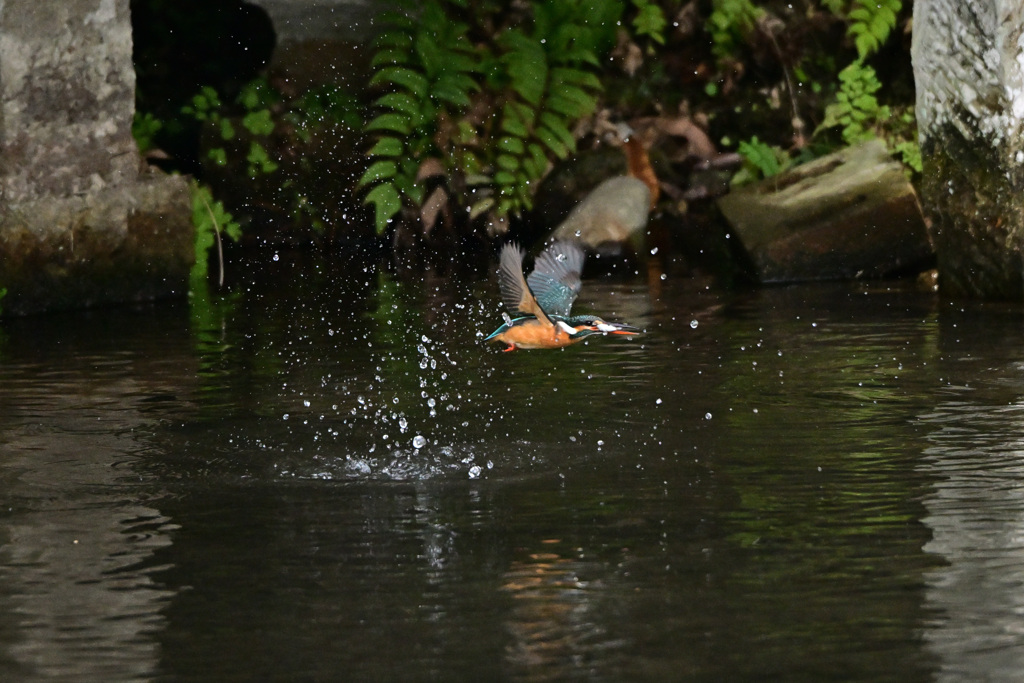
<point x="542" y="302"/>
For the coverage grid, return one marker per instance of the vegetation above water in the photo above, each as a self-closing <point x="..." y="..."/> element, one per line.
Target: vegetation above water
<point x="481" y="97"/>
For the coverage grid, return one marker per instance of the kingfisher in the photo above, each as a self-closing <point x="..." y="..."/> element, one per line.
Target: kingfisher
<point x="543" y="301"/>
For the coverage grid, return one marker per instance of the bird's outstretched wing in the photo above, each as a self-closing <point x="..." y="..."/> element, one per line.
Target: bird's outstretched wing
<point x="555" y="280"/>
<point x="515" y="292"/>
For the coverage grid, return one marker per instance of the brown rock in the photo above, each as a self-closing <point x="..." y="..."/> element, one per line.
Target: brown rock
<point x="852" y="214"/>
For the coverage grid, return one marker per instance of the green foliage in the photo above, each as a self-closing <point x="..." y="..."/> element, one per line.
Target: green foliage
<point x="205" y="105"/>
<point x="212" y="222"/>
<point x="255" y="99"/>
<point x="871" y="21"/>
<point x="856" y="110"/>
<point x="145" y="127"/>
<point x="495" y="112"/>
<point x="910" y="154"/>
<point x="430" y="68"/>
<point x="728" y="25"/>
<point x="760" y="160"/>
<point x="325" y="105"/>
<point x="649" y="21"/>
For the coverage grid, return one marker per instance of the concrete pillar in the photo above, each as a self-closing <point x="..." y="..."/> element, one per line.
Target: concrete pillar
<point x="969" y="71"/>
<point x="82" y="221"/>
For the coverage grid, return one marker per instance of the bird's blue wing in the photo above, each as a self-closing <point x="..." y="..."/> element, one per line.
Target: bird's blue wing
<point x="555" y="280"/>
<point x="515" y="292"/>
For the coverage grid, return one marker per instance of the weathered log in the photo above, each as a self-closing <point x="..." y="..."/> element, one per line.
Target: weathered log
<point x="852" y="214"/>
<point x="970" y="113"/>
<point x="79" y="224"/>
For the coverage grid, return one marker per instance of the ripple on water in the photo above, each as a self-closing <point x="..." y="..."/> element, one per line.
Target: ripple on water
<point x="976" y="514"/>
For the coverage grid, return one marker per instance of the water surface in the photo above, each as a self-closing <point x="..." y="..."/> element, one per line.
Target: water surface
<point x="321" y="476"/>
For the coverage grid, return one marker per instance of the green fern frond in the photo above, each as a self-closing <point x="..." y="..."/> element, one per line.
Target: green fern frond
<point x="871" y="22"/>
<point x="536" y="77"/>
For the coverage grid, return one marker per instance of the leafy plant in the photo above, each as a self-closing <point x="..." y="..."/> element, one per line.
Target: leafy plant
<point x="910" y="154"/>
<point x="212" y="223"/>
<point x="428" y="66"/>
<point x="871" y="21"/>
<point x="649" y="21"/>
<point x="493" y="113"/>
<point x="856" y="109"/>
<point x="729" y="23"/>
<point x="145" y="128"/>
<point x="255" y="98"/>
<point x="760" y="160"/>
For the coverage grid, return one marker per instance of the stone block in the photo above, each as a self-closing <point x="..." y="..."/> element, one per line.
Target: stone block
<point x="851" y="214"/>
<point x="82" y="222"/>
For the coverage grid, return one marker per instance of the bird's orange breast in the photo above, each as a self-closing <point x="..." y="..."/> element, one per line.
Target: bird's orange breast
<point x="535" y="334"/>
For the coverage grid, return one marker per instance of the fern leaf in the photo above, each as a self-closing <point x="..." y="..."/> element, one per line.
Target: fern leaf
<point x="552" y="142"/>
<point x="576" y="77"/>
<point x="400" y="102"/>
<point x="386" y="147"/>
<point x="866" y="44"/>
<point x="507" y="162"/>
<point x="393" y="122"/>
<point x="527" y="66"/>
<point x="559" y="127"/>
<point x="539" y="157"/>
<point x="573" y="102"/>
<point x="505" y="180"/>
<point x="390" y="56"/>
<point x="407" y="78"/>
<point x="386" y="201"/>
<point x="454" y="88"/>
<point x="513" y="145"/>
<point x="379" y="170"/>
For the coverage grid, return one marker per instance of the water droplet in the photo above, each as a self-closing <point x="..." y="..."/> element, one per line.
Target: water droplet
<point x="276" y="257"/>
<point x="654" y="251"/>
<point x="305" y="402"/>
<point x="474" y="472"/>
<point x="693" y="324"/>
<point x="285" y="416"/>
<point x="657" y="402"/>
<point x="707" y="416"/>
<point x="419" y="441"/>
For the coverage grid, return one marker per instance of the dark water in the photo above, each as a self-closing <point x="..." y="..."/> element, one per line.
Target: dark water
<point x="799" y="484"/>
